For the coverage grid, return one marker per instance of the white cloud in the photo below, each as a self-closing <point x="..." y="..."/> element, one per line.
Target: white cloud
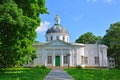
<point x="43" y="27"/>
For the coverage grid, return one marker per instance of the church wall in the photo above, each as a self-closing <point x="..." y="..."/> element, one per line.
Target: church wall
<point x="56" y="35"/>
<point x="53" y="50"/>
<point x="80" y="53"/>
<point x="92" y="51"/>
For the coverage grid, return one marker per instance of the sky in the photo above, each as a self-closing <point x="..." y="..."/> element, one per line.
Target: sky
<point x="80" y="16"/>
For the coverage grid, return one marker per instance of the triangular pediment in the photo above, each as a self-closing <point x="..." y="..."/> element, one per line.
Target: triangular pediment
<point x="58" y="43"/>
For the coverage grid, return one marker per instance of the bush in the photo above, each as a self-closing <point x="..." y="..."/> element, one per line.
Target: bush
<point x="37" y="66"/>
<point x="78" y="67"/>
<point x="43" y="67"/>
<point x="117" y="67"/>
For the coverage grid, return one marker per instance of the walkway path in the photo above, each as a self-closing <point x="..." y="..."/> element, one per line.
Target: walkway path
<point x="58" y="74"/>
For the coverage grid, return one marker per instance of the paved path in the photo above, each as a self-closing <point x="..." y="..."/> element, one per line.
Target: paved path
<point x="58" y="74"/>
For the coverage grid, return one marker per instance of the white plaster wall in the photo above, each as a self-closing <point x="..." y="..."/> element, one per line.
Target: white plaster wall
<point x="89" y="50"/>
<point x="92" y="50"/>
<point x="54" y="35"/>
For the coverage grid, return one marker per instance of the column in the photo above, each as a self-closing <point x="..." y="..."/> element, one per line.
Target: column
<point x="100" y="60"/>
<point x="70" y="58"/>
<point x="45" y="58"/>
<point x="61" y="59"/>
<point x="77" y="56"/>
<point x="53" y="57"/>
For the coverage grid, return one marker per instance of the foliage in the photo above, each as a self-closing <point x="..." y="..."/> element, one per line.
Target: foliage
<point x="112" y="40"/>
<point x="94" y="74"/>
<point x="43" y="67"/>
<point x="116" y="67"/>
<point x="37" y="66"/>
<point x="24" y="74"/>
<point x="88" y="38"/>
<point x="18" y="21"/>
<point x="78" y="67"/>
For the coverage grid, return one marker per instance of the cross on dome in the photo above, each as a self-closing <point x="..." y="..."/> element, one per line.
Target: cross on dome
<point x="57" y="19"/>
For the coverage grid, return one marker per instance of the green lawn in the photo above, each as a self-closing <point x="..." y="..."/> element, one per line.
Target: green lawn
<point x="24" y="74"/>
<point x="94" y="74"/>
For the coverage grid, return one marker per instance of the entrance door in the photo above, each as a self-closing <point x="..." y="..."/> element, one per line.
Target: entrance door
<point x="57" y="61"/>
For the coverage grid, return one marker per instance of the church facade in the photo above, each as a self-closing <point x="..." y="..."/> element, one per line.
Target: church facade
<point x="58" y="51"/>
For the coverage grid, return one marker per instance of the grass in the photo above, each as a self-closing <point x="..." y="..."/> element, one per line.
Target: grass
<point x="94" y="74"/>
<point x="24" y="74"/>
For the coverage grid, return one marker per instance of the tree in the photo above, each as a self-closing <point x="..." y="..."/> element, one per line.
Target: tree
<point x="88" y="38"/>
<point x="112" y="40"/>
<point x="18" y="21"/>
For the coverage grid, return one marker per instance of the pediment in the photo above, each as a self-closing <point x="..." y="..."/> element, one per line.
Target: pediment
<point x="58" y="43"/>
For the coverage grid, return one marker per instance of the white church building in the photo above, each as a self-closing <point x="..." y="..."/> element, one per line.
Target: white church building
<point x="58" y="51"/>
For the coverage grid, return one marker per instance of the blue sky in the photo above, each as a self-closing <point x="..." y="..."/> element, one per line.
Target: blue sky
<point x="80" y="16"/>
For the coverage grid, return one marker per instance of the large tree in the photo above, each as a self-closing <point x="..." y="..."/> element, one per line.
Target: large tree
<point x="18" y="21"/>
<point x="112" y="40"/>
<point x="88" y="38"/>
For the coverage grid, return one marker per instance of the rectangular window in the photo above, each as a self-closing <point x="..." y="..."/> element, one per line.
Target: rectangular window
<point x="65" y="60"/>
<point x="63" y="38"/>
<point x="82" y="58"/>
<point x="57" y="37"/>
<point x="49" y="60"/>
<point x="47" y="38"/>
<point x="51" y="38"/>
<point x="96" y="60"/>
<point x="86" y="60"/>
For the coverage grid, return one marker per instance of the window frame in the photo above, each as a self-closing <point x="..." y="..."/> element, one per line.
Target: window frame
<point x="49" y="59"/>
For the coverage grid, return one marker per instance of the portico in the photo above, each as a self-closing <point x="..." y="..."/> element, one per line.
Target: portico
<point x="58" y="57"/>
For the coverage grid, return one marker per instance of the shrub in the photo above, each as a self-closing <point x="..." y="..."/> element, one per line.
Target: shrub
<point x="117" y="67"/>
<point x="37" y="66"/>
<point x="78" y="67"/>
<point x="43" y="67"/>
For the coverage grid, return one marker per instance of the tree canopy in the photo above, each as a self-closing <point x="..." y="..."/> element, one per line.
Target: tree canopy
<point x="112" y="40"/>
<point x="88" y="38"/>
<point x="18" y="21"/>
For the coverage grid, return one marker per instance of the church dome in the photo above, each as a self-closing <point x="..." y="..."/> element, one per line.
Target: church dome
<point x="57" y="28"/>
<point x="57" y="32"/>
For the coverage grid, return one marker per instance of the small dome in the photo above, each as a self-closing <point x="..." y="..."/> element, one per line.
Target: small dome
<point x="57" y="28"/>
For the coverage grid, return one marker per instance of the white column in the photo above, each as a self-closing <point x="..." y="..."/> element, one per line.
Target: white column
<point x="45" y="58"/>
<point x="61" y="59"/>
<point x="53" y="57"/>
<point x="100" y="59"/>
<point x="70" y="57"/>
<point x="77" y="57"/>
